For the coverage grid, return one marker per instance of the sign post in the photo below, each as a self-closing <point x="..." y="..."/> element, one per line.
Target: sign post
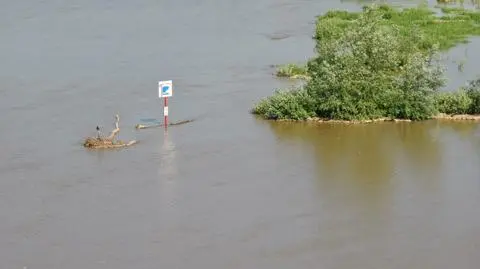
<point x="165" y="90"/>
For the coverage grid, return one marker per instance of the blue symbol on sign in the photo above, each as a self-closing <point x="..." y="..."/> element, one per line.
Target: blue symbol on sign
<point x="165" y="89"/>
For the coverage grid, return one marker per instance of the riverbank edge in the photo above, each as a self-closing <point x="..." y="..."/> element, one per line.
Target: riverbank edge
<point x="439" y="117"/>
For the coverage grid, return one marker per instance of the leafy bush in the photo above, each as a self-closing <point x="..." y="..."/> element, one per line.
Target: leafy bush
<point x="291" y="70"/>
<point x="458" y="102"/>
<point x="463" y="101"/>
<point x="293" y="104"/>
<point x="372" y="70"/>
<point x="473" y="92"/>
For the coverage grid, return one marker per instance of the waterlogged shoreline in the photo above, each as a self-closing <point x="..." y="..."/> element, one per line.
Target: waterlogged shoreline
<point x="458" y="117"/>
<point x="438" y="117"/>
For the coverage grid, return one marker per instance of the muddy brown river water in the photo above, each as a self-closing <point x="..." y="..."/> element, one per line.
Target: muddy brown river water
<point x="227" y="190"/>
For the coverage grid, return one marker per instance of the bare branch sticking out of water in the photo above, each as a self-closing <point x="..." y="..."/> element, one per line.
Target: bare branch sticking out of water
<point x="141" y="126"/>
<point x="109" y="141"/>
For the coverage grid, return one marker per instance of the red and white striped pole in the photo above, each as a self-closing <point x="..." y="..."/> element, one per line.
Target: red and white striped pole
<point x="165" y="90"/>
<point x="165" y="111"/>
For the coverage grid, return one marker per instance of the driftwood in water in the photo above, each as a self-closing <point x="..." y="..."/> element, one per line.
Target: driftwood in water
<point x="140" y="126"/>
<point x="109" y="141"/>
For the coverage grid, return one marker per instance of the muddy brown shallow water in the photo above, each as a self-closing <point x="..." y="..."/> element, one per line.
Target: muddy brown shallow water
<point x="227" y="190"/>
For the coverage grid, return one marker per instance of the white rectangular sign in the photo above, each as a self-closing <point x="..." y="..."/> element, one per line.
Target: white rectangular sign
<point x="165" y="88"/>
<point x="165" y="111"/>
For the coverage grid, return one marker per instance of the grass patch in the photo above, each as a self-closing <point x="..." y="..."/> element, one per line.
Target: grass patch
<point x="454" y="27"/>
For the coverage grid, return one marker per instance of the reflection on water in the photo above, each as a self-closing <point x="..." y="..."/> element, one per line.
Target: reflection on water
<point x="371" y="158"/>
<point x="367" y="153"/>
<point x="390" y="189"/>
<point x="167" y="172"/>
<point x="357" y="165"/>
<point x="168" y="184"/>
<point x="465" y="129"/>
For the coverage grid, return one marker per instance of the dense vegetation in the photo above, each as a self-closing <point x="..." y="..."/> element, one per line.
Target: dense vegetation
<point x="292" y="71"/>
<point x="453" y="27"/>
<point x="381" y="62"/>
<point x="466" y="100"/>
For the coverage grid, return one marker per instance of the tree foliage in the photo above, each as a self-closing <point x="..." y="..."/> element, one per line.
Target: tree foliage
<point x="371" y="70"/>
<point x="293" y="104"/>
<point x="365" y="69"/>
<point x="458" y="102"/>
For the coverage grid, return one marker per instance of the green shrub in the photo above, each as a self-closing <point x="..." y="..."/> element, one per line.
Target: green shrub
<point x="372" y="70"/>
<point x="458" y="102"/>
<point x="473" y="92"/>
<point x="293" y="104"/>
<point x="463" y="101"/>
<point x="292" y="71"/>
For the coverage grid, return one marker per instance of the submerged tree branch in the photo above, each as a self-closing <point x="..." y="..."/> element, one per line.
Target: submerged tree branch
<point x="109" y="141"/>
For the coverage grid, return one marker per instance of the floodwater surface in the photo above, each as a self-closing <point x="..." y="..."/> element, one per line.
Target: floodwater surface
<point x="227" y="190"/>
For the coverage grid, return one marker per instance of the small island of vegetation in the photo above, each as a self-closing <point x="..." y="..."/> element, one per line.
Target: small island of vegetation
<point x="377" y="64"/>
